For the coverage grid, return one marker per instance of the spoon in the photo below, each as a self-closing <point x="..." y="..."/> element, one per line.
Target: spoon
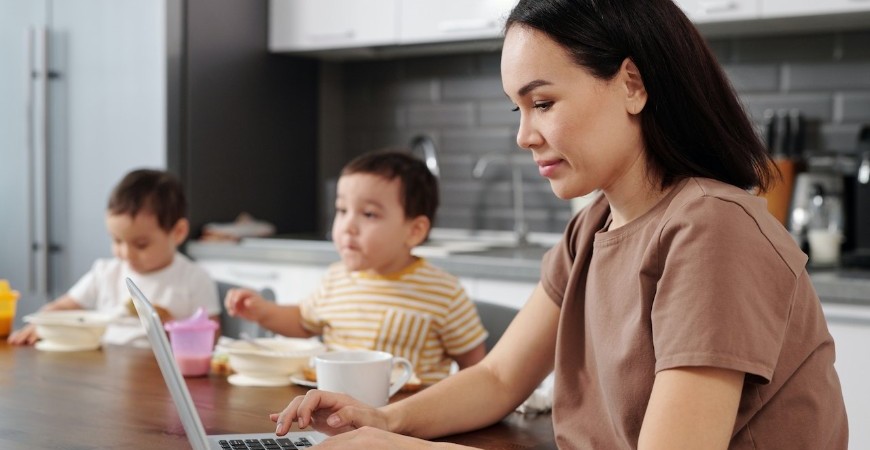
<point x="250" y="340"/>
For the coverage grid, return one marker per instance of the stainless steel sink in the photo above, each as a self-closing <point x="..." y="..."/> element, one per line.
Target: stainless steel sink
<point x="535" y="252"/>
<point x="494" y="244"/>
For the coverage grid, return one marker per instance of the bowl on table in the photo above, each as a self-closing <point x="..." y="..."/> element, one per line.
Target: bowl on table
<point x="70" y="330"/>
<point x="271" y="361"/>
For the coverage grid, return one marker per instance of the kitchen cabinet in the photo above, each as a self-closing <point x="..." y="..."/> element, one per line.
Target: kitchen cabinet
<point x="317" y="25"/>
<point x="784" y="8"/>
<point x="306" y="25"/>
<point x="703" y="11"/>
<point x="850" y="327"/>
<point x="424" y="21"/>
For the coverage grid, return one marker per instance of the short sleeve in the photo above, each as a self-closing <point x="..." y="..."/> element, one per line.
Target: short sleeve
<point x="463" y="330"/>
<point x="85" y="291"/>
<point x="309" y="308"/>
<point x="724" y="295"/>
<point x="572" y="252"/>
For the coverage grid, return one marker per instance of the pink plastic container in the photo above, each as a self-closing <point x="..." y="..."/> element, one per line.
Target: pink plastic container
<point x="192" y="343"/>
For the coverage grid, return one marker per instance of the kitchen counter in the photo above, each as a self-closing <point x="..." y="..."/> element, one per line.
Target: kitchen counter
<point x="847" y="286"/>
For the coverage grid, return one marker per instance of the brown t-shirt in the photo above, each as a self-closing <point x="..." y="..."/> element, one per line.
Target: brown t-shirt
<point x="705" y="278"/>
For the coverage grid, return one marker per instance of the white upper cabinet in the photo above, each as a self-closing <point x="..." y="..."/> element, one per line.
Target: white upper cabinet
<point x="308" y="25"/>
<point x="326" y="25"/>
<point x="423" y="21"/>
<point x="784" y="8"/>
<point x="704" y="11"/>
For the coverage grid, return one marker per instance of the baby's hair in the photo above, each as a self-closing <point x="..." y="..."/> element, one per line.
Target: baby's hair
<point x="419" y="188"/>
<point x="150" y="190"/>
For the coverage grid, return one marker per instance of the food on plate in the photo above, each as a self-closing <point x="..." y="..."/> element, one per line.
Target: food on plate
<point x="164" y="314"/>
<point x="220" y="364"/>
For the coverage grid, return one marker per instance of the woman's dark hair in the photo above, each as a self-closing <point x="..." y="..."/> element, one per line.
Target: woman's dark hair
<point x="693" y="123"/>
<point x="419" y="188"/>
<point x="150" y="190"/>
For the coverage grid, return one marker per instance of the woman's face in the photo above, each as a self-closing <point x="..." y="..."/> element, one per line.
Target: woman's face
<point x="583" y="132"/>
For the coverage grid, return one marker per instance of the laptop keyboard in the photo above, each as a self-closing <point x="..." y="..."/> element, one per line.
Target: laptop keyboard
<point x="265" y="444"/>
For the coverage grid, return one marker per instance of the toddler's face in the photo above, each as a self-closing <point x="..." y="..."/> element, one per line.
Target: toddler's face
<point x="370" y="229"/>
<point x="141" y="242"/>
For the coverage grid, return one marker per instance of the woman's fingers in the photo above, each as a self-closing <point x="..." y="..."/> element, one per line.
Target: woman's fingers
<point x="328" y="412"/>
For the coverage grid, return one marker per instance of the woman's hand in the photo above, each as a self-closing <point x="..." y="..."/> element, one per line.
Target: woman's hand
<point x="328" y="413"/>
<point x="244" y="303"/>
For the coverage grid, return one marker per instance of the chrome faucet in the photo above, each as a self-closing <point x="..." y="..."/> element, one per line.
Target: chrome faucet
<point x="426" y="147"/>
<point x="521" y="229"/>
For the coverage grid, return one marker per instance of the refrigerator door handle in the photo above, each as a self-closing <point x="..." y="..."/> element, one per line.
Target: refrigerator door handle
<point x="37" y="142"/>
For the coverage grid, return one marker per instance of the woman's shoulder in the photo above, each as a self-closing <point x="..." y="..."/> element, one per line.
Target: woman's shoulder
<point x="717" y="212"/>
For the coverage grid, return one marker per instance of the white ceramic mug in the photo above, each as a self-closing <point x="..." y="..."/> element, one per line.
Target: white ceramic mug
<point x="362" y="374"/>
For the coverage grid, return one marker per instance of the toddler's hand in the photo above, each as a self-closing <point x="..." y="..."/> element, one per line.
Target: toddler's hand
<point x="244" y="303"/>
<point x="24" y="336"/>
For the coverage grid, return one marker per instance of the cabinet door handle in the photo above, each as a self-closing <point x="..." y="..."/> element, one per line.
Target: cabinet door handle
<point x="718" y="7"/>
<point x="253" y="275"/>
<point x="336" y="36"/>
<point x="464" y="25"/>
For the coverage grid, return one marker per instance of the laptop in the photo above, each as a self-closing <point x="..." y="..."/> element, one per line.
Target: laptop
<point x="184" y="403"/>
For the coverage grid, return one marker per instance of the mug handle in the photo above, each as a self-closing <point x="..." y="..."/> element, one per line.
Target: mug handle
<point x="406" y="375"/>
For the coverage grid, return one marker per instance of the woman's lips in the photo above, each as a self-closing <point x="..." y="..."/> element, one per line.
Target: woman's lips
<point x="548" y="168"/>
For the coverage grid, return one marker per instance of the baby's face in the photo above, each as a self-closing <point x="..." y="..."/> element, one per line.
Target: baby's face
<point x="140" y="241"/>
<point x="370" y="229"/>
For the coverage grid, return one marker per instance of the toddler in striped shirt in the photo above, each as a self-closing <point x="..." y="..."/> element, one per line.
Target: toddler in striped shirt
<point x="380" y="296"/>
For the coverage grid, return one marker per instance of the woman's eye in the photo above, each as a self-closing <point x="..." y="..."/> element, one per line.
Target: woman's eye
<point x="543" y="106"/>
<point x="515" y="108"/>
<point x="340" y="210"/>
<point x="370" y="215"/>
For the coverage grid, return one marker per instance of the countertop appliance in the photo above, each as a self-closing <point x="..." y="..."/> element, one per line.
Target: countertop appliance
<point x="817" y="198"/>
<point x="857" y="251"/>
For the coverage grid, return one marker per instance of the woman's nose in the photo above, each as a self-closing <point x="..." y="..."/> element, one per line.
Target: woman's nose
<point x="527" y="136"/>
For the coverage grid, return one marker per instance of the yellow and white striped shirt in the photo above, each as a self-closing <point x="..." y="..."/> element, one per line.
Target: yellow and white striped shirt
<point x="421" y="313"/>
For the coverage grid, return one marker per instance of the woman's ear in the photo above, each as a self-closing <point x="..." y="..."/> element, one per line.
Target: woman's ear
<point x="419" y="229"/>
<point x="635" y="90"/>
<point x="180" y="230"/>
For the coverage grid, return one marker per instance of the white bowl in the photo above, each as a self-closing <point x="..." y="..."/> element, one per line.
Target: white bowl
<point x="71" y="329"/>
<point x="287" y="356"/>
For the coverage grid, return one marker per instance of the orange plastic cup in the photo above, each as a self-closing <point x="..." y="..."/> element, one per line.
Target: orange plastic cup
<point x="8" y="298"/>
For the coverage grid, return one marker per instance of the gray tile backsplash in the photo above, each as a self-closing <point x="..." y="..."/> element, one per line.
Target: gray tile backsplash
<point x="458" y="101"/>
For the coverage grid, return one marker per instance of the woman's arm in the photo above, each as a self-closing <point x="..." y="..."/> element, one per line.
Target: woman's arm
<point x="473" y="398"/>
<point x="690" y="408"/>
<point x="471" y="357"/>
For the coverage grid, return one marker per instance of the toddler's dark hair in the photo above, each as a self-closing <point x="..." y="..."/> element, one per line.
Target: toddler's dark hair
<point x="156" y="191"/>
<point x="419" y="188"/>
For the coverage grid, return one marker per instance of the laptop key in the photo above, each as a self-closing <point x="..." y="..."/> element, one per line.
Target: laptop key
<point x="285" y="444"/>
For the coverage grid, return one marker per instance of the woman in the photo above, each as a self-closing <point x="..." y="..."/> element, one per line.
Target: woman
<point x="676" y="312"/>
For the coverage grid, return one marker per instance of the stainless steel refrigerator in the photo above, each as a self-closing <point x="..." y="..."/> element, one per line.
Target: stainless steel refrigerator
<point x="90" y="89"/>
<point x="82" y="101"/>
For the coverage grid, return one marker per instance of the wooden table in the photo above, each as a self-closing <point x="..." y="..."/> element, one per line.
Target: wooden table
<point x="115" y="398"/>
